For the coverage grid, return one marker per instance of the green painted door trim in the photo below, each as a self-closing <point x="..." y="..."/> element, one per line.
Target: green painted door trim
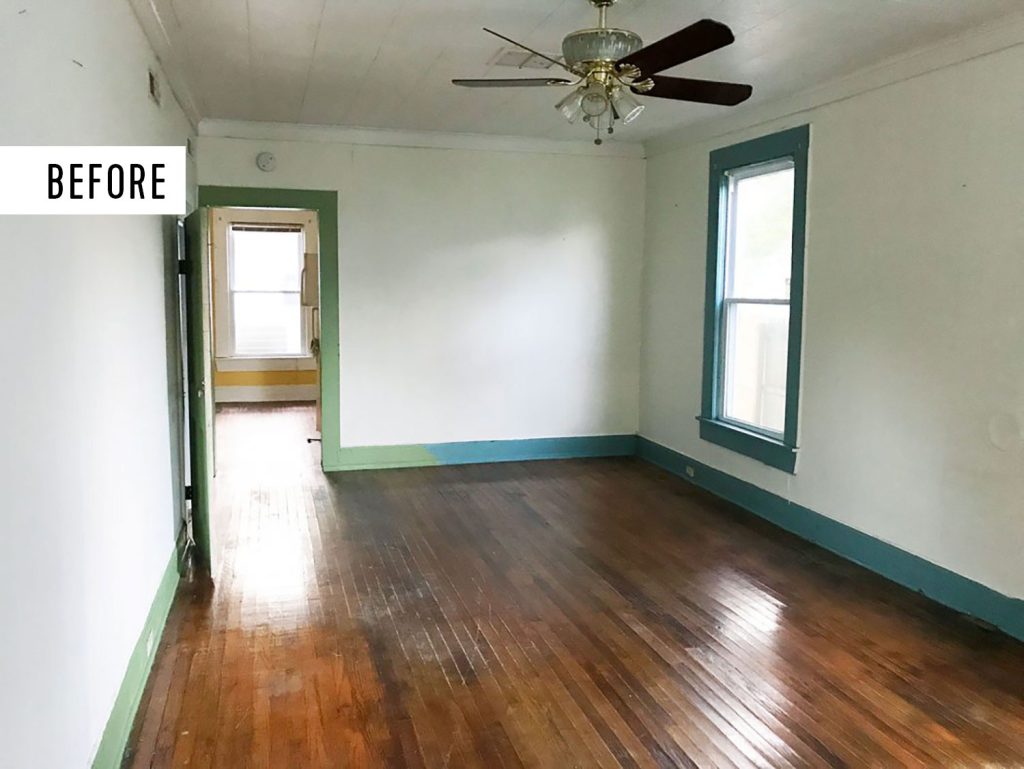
<point x="795" y="144"/>
<point x="119" y="725"/>
<point x="325" y="203"/>
<point x="200" y="379"/>
<point x="941" y="585"/>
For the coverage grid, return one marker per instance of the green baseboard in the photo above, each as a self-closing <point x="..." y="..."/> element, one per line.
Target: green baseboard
<point x="119" y="725"/>
<point x="939" y="584"/>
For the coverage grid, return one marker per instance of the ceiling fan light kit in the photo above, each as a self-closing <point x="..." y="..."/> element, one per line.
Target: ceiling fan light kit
<point x="611" y="66"/>
<point x="571" y="106"/>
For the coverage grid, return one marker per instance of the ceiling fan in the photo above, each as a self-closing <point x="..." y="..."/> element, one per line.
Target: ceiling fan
<point x="611" y="65"/>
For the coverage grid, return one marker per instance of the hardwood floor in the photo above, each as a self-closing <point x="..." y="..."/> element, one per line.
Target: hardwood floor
<point x="597" y="613"/>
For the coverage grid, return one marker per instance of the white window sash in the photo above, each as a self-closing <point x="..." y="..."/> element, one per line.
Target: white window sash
<point x="725" y="379"/>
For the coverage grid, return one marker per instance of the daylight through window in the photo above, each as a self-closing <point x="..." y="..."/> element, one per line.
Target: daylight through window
<point x="755" y="321"/>
<point x="265" y="268"/>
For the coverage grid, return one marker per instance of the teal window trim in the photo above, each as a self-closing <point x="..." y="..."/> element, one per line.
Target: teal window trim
<point x="777" y="451"/>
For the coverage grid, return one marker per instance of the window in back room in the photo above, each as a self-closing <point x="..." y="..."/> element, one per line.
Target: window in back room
<point x="264" y="292"/>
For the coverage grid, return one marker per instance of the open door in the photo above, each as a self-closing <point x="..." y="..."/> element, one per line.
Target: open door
<point x="200" y="380"/>
<point x="310" y="297"/>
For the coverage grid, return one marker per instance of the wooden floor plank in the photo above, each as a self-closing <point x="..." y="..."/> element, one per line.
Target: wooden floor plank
<point x="550" y="615"/>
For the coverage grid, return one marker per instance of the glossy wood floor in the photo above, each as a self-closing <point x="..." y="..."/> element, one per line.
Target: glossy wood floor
<point x="564" y="614"/>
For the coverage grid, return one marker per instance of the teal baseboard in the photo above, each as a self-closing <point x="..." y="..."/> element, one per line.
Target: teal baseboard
<point x="479" y="452"/>
<point x="119" y="725"/>
<point x="474" y="452"/>
<point x="939" y="584"/>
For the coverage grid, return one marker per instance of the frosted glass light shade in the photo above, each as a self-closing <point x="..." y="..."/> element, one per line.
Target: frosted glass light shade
<point x="626" y="105"/>
<point x="599" y="45"/>
<point x="595" y="100"/>
<point x="571" y="106"/>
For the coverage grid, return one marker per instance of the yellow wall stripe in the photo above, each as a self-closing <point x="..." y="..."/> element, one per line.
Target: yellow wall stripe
<point x="263" y="378"/>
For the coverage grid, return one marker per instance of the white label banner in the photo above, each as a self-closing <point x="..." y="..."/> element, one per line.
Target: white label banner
<point x="92" y="180"/>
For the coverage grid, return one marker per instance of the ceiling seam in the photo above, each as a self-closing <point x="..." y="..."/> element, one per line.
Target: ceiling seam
<point x="312" y="60"/>
<point x="366" y="71"/>
<point x="248" y="43"/>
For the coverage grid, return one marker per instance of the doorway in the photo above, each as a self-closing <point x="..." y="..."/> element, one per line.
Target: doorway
<point x="262" y="274"/>
<point x="266" y="315"/>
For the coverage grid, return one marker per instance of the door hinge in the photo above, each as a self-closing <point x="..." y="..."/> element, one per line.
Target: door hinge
<point x="183" y="266"/>
<point x="188" y="492"/>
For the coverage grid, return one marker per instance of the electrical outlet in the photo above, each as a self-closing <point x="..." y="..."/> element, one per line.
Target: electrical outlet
<point x="690" y="472"/>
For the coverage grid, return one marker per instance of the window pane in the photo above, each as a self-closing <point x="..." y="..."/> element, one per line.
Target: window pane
<point x="760" y="250"/>
<point x="268" y="324"/>
<point x="756" y="346"/>
<point x="265" y="261"/>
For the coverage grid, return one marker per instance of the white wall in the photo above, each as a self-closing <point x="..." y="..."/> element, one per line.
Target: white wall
<point x="85" y="458"/>
<point x="913" y="378"/>
<point x="484" y="294"/>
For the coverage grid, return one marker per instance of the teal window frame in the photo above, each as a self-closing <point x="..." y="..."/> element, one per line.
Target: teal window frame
<point x="777" y="451"/>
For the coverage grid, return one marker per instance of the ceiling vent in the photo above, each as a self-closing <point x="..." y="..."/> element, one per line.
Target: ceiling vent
<point x="513" y="57"/>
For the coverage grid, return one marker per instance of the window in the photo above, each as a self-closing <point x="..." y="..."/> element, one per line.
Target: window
<point x="753" y="320"/>
<point x="265" y="269"/>
<point x="264" y="266"/>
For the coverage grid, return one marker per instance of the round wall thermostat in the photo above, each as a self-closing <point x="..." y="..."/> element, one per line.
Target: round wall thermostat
<point x="266" y="161"/>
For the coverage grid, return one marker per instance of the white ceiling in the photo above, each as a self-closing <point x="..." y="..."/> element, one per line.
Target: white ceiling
<point x="389" y="63"/>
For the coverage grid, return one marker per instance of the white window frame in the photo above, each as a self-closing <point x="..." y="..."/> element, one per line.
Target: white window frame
<point x="735" y="176"/>
<point x="223" y="220"/>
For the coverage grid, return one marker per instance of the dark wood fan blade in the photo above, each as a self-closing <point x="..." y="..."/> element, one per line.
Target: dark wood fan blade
<point x="513" y="82"/>
<point x="703" y="91"/>
<point x="685" y="45"/>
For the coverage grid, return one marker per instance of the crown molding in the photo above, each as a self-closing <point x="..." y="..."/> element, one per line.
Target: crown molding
<point x="381" y="137"/>
<point x="981" y="41"/>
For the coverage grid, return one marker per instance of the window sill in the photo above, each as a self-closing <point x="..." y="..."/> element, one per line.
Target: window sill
<point x="303" y="356"/>
<point x="277" y="363"/>
<point x="771" y="452"/>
